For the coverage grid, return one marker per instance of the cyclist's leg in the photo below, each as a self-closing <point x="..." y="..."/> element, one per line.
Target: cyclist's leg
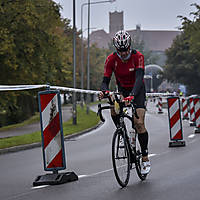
<point x="140" y="125"/>
<point x="142" y="132"/>
<point x="143" y="140"/>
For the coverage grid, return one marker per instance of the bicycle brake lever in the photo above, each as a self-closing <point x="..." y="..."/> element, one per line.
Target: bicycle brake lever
<point x="100" y="113"/>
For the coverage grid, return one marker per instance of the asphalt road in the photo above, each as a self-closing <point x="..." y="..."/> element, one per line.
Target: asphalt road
<point x="174" y="175"/>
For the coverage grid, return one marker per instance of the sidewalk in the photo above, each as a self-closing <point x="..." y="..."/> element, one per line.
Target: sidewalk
<point x="27" y="129"/>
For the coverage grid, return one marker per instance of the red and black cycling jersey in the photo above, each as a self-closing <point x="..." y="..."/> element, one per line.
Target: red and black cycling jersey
<point x="126" y="73"/>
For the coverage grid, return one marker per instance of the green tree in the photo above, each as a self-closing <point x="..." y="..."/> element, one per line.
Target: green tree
<point x="34" y="49"/>
<point x="183" y="57"/>
<point x="98" y="57"/>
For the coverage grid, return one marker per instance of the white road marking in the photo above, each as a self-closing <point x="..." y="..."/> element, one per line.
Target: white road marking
<point x="191" y="136"/>
<point x="153" y="154"/>
<point x="101" y="172"/>
<point x="38" y="187"/>
<point x="82" y="176"/>
<point x="94" y="174"/>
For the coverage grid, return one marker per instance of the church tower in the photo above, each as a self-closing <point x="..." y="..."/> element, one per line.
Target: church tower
<point x="116" y="22"/>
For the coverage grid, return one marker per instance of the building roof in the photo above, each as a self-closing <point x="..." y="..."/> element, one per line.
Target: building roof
<point x="154" y="40"/>
<point x="100" y="38"/>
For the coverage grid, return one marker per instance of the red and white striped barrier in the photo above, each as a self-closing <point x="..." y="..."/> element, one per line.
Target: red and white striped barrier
<point x="175" y="123"/>
<point x="184" y="108"/>
<point x="192" y="113"/>
<point x="160" y="105"/>
<point x="52" y="134"/>
<point x="52" y="140"/>
<point x="197" y="114"/>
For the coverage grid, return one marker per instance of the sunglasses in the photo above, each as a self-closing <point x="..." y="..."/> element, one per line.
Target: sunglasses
<point x="123" y="51"/>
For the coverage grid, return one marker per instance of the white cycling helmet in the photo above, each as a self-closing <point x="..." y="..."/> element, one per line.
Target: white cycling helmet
<point x="122" y="40"/>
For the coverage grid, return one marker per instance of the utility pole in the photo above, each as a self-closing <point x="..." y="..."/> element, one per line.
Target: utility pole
<point x="74" y="64"/>
<point x="88" y="58"/>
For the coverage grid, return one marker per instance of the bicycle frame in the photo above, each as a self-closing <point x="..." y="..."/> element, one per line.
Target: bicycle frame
<point x="124" y="129"/>
<point x="122" y="115"/>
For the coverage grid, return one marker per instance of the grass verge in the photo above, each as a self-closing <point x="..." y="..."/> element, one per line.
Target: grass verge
<point x="32" y="120"/>
<point x="83" y="122"/>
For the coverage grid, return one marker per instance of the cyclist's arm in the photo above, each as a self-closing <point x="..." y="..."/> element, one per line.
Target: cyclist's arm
<point x="107" y="74"/>
<point x="138" y="82"/>
<point x="105" y="83"/>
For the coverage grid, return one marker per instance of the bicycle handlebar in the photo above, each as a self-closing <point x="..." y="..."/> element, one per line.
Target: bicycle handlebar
<point x="107" y="95"/>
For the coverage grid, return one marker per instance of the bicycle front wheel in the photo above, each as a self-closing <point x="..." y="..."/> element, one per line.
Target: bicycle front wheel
<point x="121" y="158"/>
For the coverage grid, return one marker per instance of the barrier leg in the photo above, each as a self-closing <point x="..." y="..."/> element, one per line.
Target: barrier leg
<point x="197" y="130"/>
<point x="177" y="143"/>
<point x="55" y="178"/>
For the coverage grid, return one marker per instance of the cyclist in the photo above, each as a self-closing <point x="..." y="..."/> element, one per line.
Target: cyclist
<point x="128" y="67"/>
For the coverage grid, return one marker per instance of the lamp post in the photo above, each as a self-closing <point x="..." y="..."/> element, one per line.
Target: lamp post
<point x="74" y="64"/>
<point x="88" y="53"/>
<point x="88" y="58"/>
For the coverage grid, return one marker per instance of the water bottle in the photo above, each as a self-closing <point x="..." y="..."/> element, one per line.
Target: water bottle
<point x="132" y="138"/>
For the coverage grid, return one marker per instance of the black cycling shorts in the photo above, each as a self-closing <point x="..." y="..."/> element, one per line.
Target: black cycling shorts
<point x="139" y="99"/>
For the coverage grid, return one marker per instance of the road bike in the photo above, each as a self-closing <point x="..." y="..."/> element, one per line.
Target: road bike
<point x="125" y="155"/>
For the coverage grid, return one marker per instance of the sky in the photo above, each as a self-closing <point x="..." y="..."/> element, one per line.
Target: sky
<point x="150" y="14"/>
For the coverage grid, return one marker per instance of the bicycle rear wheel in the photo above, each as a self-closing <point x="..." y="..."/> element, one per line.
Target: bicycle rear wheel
<point x="138" y="165"/>
<point x="121" y="158"/>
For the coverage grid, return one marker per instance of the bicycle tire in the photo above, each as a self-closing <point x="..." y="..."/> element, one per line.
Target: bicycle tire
<point x="121" y="171"/>
<point x="138" y="165"/>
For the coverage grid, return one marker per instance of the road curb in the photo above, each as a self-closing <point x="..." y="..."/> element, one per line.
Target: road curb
<point x="83" y="132"/>
<point x="38" y="144"/>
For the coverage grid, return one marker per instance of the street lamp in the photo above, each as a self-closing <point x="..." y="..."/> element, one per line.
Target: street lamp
<point x="82" y="67"/>
<point x="74" y="64"/>
<point x="88" y="53"/>
<point x="88" y="58"/>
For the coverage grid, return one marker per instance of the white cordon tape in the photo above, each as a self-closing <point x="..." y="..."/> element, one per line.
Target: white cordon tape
<point x="65" y="89"/>
<point x="73" y="90"/>
<point x="20" y="87"/>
